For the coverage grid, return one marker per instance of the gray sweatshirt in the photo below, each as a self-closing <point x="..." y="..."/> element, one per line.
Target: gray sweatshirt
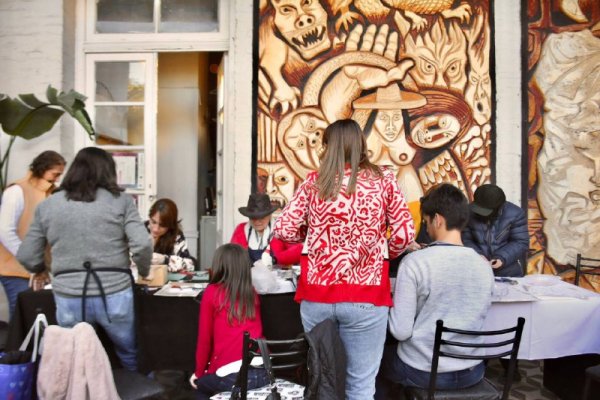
<point x="103" y="232"/>
<point x="451" y="283"/>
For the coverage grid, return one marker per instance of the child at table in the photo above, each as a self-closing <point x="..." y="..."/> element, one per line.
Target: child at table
<point x="229" y="307"/>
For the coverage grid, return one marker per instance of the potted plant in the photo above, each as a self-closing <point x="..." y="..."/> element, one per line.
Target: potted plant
<point x="28" y="117"/>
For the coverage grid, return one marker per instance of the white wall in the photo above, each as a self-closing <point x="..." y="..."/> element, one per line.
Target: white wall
<point x="239" y="112"/>
<point x="31" y="50"/>
<point x="509" y="118"/>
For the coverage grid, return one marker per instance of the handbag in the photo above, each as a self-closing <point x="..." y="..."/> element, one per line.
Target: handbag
<point x="18" y="369"/>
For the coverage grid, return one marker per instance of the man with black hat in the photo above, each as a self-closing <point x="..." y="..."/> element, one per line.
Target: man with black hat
<point x="497" y="230"/>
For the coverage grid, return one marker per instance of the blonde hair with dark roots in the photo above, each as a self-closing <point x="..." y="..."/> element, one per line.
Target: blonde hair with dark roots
<point x="344" y="143"/>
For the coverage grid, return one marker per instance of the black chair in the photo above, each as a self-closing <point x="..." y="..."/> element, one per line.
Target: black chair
<point x="484" y="390"/>
<point x="586" y="266"/>
<point x="591" y="374"/>
<point x="286" y="356"/>
<point x="135" y="386"/>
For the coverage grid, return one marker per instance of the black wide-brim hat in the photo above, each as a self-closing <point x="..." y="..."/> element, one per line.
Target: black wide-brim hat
<point x="259" y="206"/>
<point x="487" y="199"/>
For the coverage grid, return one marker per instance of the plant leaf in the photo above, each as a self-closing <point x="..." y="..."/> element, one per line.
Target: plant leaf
<point x="51" y="94"/>
<point x="31" y="100"/>
<point x="12" y="112"/>
<point x="37" y="122"/>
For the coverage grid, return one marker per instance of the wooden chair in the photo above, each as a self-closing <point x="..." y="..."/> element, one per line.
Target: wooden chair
<point x="484" y="390"/>
<point x="286" y="356"/>
<point x="586" y="266"/>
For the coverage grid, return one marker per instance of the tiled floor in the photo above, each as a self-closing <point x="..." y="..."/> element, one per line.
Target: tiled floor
<point x="529" y="388"/>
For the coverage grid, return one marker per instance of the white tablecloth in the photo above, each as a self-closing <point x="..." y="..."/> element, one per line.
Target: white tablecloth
<point x="554" y="326"/>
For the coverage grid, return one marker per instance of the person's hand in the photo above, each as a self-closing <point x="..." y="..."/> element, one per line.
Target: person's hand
<point x="38" y="280"/>
<point x="148" y="277"/>
<point x="158" y="259"/>
<point x="413" y="246"/>
<point x="193" y="381"/>
<point x="496" y="263"/>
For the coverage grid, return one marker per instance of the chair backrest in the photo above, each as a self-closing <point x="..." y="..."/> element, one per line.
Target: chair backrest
<point x="586" y="266"/>
<point x="285" y="355"/>
<point x="514" y="341"/>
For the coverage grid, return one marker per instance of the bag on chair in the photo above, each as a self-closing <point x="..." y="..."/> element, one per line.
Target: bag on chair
<point x="18" y="369"/>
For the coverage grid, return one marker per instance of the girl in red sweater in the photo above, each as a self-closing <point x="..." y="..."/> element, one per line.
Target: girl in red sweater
<point x="229" y="307"/>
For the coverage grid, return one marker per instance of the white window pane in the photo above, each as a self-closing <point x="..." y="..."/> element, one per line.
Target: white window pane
<point x="125" y="16"/>
<point x="189" y="16"/>
<point x="120" y="81"/>
<point x="119" y="125"/>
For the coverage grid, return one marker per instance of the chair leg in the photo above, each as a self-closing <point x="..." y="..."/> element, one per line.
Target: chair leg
<point x="586" y="387"/>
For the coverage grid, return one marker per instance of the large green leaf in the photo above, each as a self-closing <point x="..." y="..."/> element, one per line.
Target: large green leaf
<point x="28" y="117"/>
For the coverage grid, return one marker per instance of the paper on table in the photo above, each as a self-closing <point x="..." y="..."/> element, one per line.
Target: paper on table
<point x="181" y="289"/>
<point x="507" y="293"/>
<point x="561" y="290"/>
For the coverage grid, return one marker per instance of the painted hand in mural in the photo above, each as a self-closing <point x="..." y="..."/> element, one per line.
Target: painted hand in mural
<point x="377" y="42"/>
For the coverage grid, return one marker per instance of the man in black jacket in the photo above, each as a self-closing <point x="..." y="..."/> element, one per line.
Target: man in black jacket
<point x="497" y="230"/>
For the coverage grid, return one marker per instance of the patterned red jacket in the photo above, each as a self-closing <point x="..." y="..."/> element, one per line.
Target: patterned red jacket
<point x="345" y="256"/>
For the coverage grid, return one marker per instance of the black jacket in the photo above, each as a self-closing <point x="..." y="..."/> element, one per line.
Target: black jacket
<point x="505" y="238"/>
<point x="326" y="363"/>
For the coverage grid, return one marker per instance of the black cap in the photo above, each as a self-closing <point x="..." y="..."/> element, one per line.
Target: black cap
<point x="487" y="199"/>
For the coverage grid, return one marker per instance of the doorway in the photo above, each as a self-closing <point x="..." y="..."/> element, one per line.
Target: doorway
<point x="186" y="145"/>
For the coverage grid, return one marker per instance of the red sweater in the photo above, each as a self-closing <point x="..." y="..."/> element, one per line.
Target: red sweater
<point x="348" y="239"/>
<point x="239" y="235"/>
<point x="220" y="343"/>
<point x="285" y="253"/>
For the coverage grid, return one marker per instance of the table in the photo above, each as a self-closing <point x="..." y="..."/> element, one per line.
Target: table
<point x="167" y="327"/>
<point x="563" y="331"/>
<point x="554" y="326"/>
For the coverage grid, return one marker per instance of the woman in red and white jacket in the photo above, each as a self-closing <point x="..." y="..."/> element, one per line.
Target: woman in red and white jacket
<point x="354" y="218"/>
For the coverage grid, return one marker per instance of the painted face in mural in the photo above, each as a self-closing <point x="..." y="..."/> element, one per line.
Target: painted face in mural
<point x="435" y="131"/>
<point x="478" y="93"/>
<point x="303" y="24"/>
<point x="440" y="57"/>
<point x="300" y="135"/>
<point x="389" y="124"/>
<point x="276" y="180"/>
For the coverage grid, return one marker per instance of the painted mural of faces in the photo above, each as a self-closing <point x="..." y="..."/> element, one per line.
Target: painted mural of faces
<point x="440" y="57"/>
<point x="478" y="93"/>
<point x="389" y="124"/>
<point x="276" y="180"/>
<point x="569" y="161"/>
<point x="435" y="130"/>
<point x="300" y="135"/>
<point x="303" y="25"/>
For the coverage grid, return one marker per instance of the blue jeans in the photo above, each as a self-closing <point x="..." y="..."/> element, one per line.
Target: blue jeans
<point x="211" y="384"/>
<point x="395" y="370"/>
<point x="362" y="328"/>
<point x="120" y="329"/>
<point x="12" y="287"/>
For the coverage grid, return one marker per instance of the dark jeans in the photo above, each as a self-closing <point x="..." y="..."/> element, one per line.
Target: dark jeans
<point x="211" y="384"/>
<point x="395" y="370"/>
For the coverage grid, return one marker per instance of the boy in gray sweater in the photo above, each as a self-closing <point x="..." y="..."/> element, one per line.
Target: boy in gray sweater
<point x="444" y="281"/>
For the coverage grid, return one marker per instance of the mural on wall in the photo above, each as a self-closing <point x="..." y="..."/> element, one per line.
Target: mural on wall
<point x="564" y="135"/>
<point x="415" y="74"/>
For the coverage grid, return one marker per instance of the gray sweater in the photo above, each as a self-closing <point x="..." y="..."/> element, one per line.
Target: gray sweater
<point x="451" y="283"/>
<point x="103" y="232"/>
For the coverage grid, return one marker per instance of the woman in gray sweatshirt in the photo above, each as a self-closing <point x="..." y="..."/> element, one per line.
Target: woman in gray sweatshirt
<point x="91" y="227"/>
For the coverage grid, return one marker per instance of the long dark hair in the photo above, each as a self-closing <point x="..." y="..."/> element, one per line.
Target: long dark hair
<point x="92" y="169"/>
<point x="344" y="143"/>
<point x="45" y="161"/>
<point x="167" y="214"/>
<point x="231" y="268"/>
